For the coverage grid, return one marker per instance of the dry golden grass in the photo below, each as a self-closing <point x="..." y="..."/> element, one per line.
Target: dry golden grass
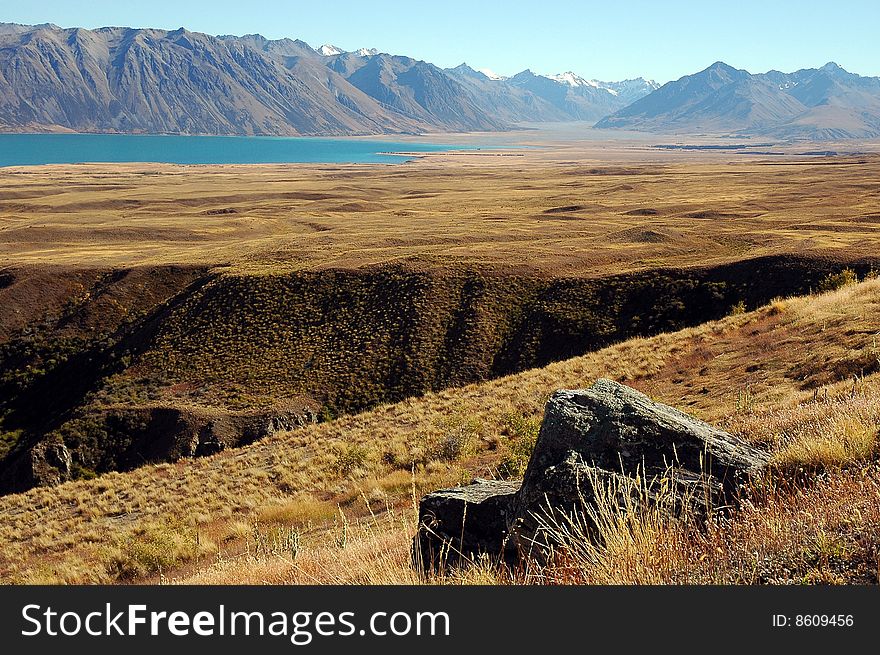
<point x="826" y="533"/>
<point x="569" y="216"/>
<point x="297" y="512"/>
<point x="763" y="374"/>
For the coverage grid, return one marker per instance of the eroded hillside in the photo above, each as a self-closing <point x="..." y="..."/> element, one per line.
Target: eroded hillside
<point x="131" y="372"/>
<point x="797" y="376"/>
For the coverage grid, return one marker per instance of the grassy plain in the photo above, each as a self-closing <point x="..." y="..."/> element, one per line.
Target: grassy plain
<point x="556" y="218"/>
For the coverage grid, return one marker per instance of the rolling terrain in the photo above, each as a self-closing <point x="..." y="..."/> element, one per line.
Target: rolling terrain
<point x="333" y="503"/>
<point x="167" y="312"/>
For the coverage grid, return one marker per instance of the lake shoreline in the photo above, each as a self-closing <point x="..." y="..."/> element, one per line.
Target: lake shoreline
<point x="88" y="148"/>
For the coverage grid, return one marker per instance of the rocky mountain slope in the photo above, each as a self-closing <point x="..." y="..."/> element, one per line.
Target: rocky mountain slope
<point x="119" y="79"/>
<point x="126" y="80"/>
<point x="823" y="103"/>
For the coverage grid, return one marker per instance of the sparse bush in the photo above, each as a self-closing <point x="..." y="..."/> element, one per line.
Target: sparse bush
<point x="287" y="481"/>
<point x="453" y="446"/>
<point x="326" y="414"/>
<point x="523" y="432"/>
<point x="397" y="457"/>
<point x="460" y="433"/>
<point x="739" y="308"/>
<point x="350" y="459"/>
<point x="834" y="281"/>
<point x="80" y="472"/>
<point x="152" y="550"/>
<point x="777" y="306"/>
<point x="236" y="530"/>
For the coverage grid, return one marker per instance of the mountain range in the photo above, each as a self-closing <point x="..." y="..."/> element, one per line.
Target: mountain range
<point x="815" y="103"/>
<point x="119" y="79"/>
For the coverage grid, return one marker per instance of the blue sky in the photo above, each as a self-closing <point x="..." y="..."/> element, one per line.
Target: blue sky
<point x="607" y="40"/>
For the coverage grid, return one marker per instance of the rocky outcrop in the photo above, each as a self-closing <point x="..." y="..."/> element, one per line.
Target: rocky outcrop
<point x="608" y="438"/>
<point x="46" y="464"/>
<point x="156" y="434"/>
<point x="143" y="435"/>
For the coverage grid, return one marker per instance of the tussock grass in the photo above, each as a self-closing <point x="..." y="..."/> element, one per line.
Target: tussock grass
<point x="297" y="512"/>
<point x="154" y="549"/>
<point x="835" y="445"/>
<point x="827" y="533"/>
<point x="78" y="532"/>
<point x="626" y="535"/>
<point x="296" y="217"/>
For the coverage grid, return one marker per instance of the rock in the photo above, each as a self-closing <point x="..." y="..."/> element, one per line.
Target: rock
<point x="608" y="436"/>
<point x="615" y="428"/>
<point x="462" y="523"/>
<point x="569" y="488"/>
<point x="142" y="435"/>
<point x="260" y="426"/>
<point x="49" y="464"/>
<point x="619" y="429"/>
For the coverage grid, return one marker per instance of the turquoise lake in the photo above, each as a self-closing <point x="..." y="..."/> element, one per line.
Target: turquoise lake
<point x="34" y="149"/>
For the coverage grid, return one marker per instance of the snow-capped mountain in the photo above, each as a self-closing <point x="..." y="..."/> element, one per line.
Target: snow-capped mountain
<point x="492" y="75"/>
<point x="581" y="98"/>
<point x="330" y="50"/>
<point x="572" y="79"/>
<point x="628" y="90"/>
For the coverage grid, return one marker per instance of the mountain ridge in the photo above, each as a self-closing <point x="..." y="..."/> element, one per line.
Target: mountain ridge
<point x="145" y="80"/>
<point x="811" y="103"/>
<point x="156" y="81"/>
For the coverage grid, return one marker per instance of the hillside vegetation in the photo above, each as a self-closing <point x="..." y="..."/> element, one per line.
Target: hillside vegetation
<point x="230" y="358"/>
<point x="333" y="502"/>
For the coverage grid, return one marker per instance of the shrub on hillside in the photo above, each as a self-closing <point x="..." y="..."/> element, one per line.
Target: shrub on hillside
<point x="834" y="281"/>
<point x="459" y="434"/>
<point x="351" y="459"/>
<point x="523" y="432"/>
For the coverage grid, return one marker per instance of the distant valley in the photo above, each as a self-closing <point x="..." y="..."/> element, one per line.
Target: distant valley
<point x="150" y="81"/>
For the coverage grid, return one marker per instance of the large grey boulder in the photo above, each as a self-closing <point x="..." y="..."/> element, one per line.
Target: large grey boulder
<point x="609" y="436"/>
<point x="618" y="429"/>
<point x="461" y="524"/>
